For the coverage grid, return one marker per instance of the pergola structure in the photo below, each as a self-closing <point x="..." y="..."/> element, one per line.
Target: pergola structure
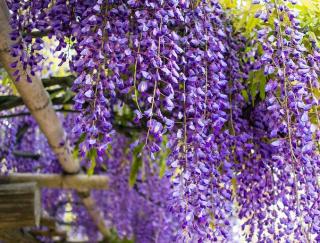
<point x="25" y="187"/>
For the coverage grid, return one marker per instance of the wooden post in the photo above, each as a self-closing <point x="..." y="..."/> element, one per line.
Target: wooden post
<point x="20" y="205"/>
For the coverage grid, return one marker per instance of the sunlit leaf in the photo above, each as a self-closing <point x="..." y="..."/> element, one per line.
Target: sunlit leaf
<point x="136" y="164"/>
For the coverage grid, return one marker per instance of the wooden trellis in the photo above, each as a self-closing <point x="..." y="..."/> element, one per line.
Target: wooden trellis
<point x="20" y="205"/>
<point x="20" y="202"/>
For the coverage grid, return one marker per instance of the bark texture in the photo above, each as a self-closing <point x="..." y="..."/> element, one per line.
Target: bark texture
<point x="16" y="236"/>
<point x="20" y="205"/>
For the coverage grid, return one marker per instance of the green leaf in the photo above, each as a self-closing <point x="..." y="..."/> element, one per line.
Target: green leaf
<point x="245" y="95"/>
<point x="136" y="164"/>
<point x="81" y="138"/>
<point x="68" y="95"/>
<point x="91" y="168"/>
<point x="75" y="153"/>
<point x="262" y="90"/>
<point x="55" y="94"/>
<point x="6" y="81"/>
<point x="108" y="150"/>
<point x="316" y="92"/>
<point x="136" y="94"/>
<point x="113" y="237"/>
<point x="229" y="3"/>
<point x="163" y="166"/>
<point x="253" y="91"/>
<point x="92" y="155"/>
<point x="164" y="153"/>
<point x="256" y="82"/>
<point x="234" y="186"/>
<point x="313" y="36"/>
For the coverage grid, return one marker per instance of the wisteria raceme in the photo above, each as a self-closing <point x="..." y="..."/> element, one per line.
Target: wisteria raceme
<point x="202" y="143"/>
<point x="171" y="85"/>
<point x="287" y="185"/>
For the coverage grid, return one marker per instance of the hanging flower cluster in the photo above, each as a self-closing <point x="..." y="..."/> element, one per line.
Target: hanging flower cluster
<point x="283" y="197"/>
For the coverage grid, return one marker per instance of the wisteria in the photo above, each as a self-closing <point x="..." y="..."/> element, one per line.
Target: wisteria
<point x="194" y="123"/>
<point x="289" y="184"/>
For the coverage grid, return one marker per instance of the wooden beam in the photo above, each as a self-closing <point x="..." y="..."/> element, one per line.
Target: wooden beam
<point x="16" y="236"/>
<point x="49" y="233"/>
<point x="20" y="205"/>
<point x="77" y="182"/>
<point x="48" y="222"/>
